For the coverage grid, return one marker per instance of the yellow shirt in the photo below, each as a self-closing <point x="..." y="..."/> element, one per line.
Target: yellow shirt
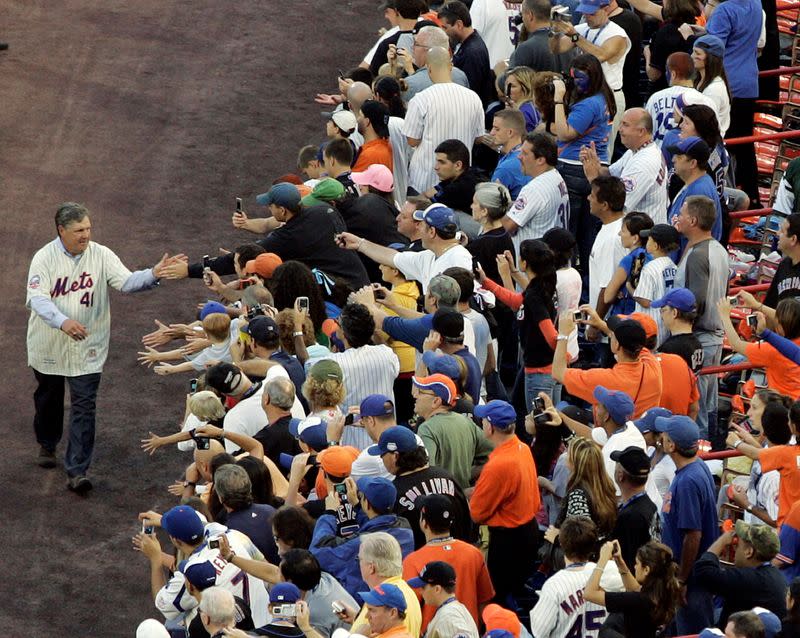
<point x="413" y="619"/>
<point x="406" y="295"/>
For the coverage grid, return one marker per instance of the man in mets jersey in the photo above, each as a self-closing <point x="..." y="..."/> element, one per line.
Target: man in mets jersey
<point x="68" y="334"/>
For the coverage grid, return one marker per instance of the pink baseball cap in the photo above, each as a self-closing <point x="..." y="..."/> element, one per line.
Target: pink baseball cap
<point x="377" y="175"/>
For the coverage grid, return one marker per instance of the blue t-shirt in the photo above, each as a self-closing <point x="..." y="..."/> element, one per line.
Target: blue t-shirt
<point x="703" y="186"/>
<point x="690" y="504"/>
<point x="790" y="548"/>
<point x="509" y="172"/>
<point x="626" y="305"/>
<point x="590" y="118"/>
<point x="738" y="24"/>
<point x="474" y="374"/>
<point x="256" y="523"/>
<point x="531" y="116"/>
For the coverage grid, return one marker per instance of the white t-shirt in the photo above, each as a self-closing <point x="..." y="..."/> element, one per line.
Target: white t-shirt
<point x="425" y="265"/>
<point x="562" y="611"/>
<point x="494" y="21"/>
<point x="644" y="174"/>
<point x="214" y="352"/>
<point x="542" y="204"/>
<point x="661" y="107"/>
<point x="655" y="280"/>
<point x="719" y="95"/>
<point x="611" y="70"/>
<point x="784" y="198"/>
<point x="618" y="441"/>
<point x="481" y="335"/>
<point x="661" y="478"/>
<point x="568" y="291"/>
<point x="607" y="251"/>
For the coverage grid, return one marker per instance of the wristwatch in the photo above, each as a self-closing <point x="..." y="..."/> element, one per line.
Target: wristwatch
<point x="189" y="484"/>
<point x="333" y="443"/>
<point x="562" y="338"/>
<point x="574" y="38"/>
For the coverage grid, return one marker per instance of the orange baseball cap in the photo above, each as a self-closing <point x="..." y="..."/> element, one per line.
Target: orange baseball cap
<point x="497" y="617"/>
<point x="441" y="385"/>
<point x="337" y="460"/>
<point x="645" y="321"/>
<point x="263" y="265"/>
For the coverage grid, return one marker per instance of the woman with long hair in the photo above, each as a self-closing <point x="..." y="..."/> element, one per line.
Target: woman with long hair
<point x="294" y="279"/>
<point x="519" y="94"/>
<point x="651" y="596"/>
<point x="711" y="80"/>
<point x="537" y="312"/>
<point x="387" y="90"/>
<point x="324" y="389"/>
<point x="543" y="99"/>
<point x="261" y="481"/>
<point x="668" y="40"/>
<point x="583" y="116"/>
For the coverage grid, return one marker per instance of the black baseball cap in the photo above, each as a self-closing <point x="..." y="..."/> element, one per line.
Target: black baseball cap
<point x="664" y="235"/>
<point x="629" y="333"/>
<point x="437" y="510"/>
<point x="449" y="324"/>
<point x="634" y="461"/>
<point x="434" y="573"/>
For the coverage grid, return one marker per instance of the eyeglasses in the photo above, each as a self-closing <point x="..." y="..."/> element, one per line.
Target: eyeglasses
<point x="421" y="392"/>
<point x="417" y="45"/>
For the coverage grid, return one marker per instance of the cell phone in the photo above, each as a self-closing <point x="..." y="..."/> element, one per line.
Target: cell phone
<point x="238" y="204"/>
<point x="733" y="300"/>
<point x="207" y="270"/>
<point x="213" y="543"/>
<point x="752" y="321"/>
<point x="147" y="528"/>
<point x="206" y="262"/>
<point x="192" y="385"/>
<point x="538" y="405"/>
<point x="577" y="316"/>
<point x="202" y="442"/>
<point x="350" y="419"/>
<point x="337" y="607"/>
<point x="302" y="303"/>
<point x="340" y="489"/>
<point x="476" y="267"/>
<point x="541" y="419"/>
<point x="341" y="74"/>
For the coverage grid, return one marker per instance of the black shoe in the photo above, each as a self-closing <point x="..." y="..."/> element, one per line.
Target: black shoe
<point x="79" y="484"/>
<point x="46" y="458"/>
<point x="3" y="46"/>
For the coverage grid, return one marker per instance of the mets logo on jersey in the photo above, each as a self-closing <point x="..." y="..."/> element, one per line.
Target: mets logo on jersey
<point x="64" y="287"/>
<point x="34" y="282"/>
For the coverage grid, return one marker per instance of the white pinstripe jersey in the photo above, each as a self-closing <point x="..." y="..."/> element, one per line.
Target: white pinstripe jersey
<point x="562" y="612"/>
<point x="79" y="289"/>
<point x="444" y="111"/>
<point x="661" y="107"/>
<point x="644" y="174"/>
<point x="542" y="204"/>
<point x="655" y="281"/>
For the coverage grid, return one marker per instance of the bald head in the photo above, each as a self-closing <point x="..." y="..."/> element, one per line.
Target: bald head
<point x="438" y="59"/>
<point x="357" y="94"/>
<point x="202" y="458"/>
<point x="636" y="128"/>
<point x="680" y="67"/>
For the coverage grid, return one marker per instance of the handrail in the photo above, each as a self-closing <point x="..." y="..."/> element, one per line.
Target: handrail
<point x="787" y="6"/>
<point x="781" y="70"/>
<point x="756" y="212"/>
<point x="722" y="454"/>
<point x="782" y="135"/>
<point x="751" y="288"/>
<point x="731" y="367"/>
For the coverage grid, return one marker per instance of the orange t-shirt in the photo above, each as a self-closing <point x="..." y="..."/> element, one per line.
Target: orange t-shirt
<point x="473" y="584"/>
<point x="507" y="491"/>
<point x="783" y="375"/>
<point x="374" y="152"/>
<point x="680" y="389"/>
<point x="641" y="380"/>
<point x="785" y="459"/>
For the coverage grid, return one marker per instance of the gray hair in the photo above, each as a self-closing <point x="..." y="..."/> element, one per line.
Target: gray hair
<point x="218" y="604"/>
<point x="383" y="551"/>
<point x="493" y="197"/>
<point x="434" y="37"/>
<point x="206" y="406"/>
<point x="69" y="213"/>
<point x="281" y="393"/>
<point x="232" y="485"/>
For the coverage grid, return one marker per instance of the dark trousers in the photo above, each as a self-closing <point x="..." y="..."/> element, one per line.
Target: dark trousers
<point x="582" y="224"/>
<point x="744" y="155"/>
<point x="48" y="422"/>
<point x="511" y="558"/>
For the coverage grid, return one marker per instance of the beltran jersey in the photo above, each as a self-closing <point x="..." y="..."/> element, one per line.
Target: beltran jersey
<point x="78" y="287"/>
<point x="562" y="611"/>
<point x="656" y="280"/>
<point x="661" y="107"/>
<point x="644" y="174"/>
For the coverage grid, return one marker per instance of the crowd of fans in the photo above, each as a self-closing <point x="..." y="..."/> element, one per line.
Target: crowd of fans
<point x="451" y="389"/>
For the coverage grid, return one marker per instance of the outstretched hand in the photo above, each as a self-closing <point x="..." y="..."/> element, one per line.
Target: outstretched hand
<point x="166" y="261"/>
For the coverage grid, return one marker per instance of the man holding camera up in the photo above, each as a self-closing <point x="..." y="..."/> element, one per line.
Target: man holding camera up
<point x="290" y="618"/>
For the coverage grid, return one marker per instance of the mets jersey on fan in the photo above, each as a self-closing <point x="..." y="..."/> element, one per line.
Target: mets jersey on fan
<point x="644" y="174"/>
<point x="78" y="287"/>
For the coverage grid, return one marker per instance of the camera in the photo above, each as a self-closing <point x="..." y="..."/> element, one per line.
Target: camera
<point x="351" y="418"/>
<point x="577" y="316"/>
<point x="284" y="610"/>
<point x="752" y="321"/>
<point x="538" y="405"/>
<point x="192" y="385"/>
<point x="733" y="300"/>
<point x="560" y="13"/>
<point x="255" y="311"/>
<point x="543" y="418"/>
<point x="516" y="20"/>
<point x="147" y="528"/>
<point x="202" y="442"/>
<point x="337" y="607"/>
<point x="312" y="460"/>
<point x="213" y="543"/>
<point x="476" y="267"/>
<point x="378" y="292"/>
<point x="302" y="303"/>
<point x="569" y="83"/>
<point x="206" y="270"/>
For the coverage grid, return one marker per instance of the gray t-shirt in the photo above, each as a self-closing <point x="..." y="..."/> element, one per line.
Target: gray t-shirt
<point x="421" y="80"/>
<point x="535" y="52"/>
<point x="703" y="269"/>
<point x="319" y="602"/>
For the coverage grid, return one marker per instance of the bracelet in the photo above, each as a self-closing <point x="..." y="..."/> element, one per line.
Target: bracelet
<point x="230" y="556"/>
<point x="737" y="444"/>
<point x="599" y="569"/>
<point x="299" y="333"/>
<point x="561" y="103"/>
<point x="360" y="243"/>
<point x="562" y="338"/>
<point x="624" y="573"/>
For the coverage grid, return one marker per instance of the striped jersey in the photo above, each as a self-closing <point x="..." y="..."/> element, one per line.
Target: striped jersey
<point x="61" y="286"/>
<point x="661" y="107"/>
<point x="542" y="204"/>
<point x="644" y="174"/>
<point x="443" y="111"/>
<point x="656" y="279"/>
<point x="562" y="611"/>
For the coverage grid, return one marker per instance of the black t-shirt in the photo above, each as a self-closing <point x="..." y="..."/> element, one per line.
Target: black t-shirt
<point x="632" y="25"/>
<point x="350" y="188"/>
<point x="457" y="193"/>
<point x="255" y="522"/>
<point x="472" y="57"/>
<point x="634" y="527"/>
<point x="244" y="620"/>
<point x="487" y="246"/>
<point x="280" y="631"/>
<point x="686" y="346"/>
<point x="402" y="40"/>
<point x="666" y="41"/>
<point x="785" y="284"/>
<point x="277" y="439"/>
<point x="535" y="308"/>
<point x="637" y="610"/>
<point x="432" y="480"/>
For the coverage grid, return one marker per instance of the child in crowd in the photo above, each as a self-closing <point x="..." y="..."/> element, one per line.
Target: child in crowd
<point x="619" y="291"/>
<point x="658" y="274"/>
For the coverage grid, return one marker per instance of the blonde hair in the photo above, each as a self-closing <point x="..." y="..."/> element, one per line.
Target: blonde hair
<point x="206" y="406"/>
<point x="589" y="473"/>
<point x="323" y="394"/>
<point x="526" y="77"/>
<point x="285" y="321"/>
<point x="217" y="326"/>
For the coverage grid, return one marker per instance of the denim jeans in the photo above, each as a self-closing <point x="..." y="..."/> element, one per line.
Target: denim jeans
<point x="582" y="225"/>
<point x="48" y="421"/>
<point x="708" y="386"/>
<point x="536" y="382"/>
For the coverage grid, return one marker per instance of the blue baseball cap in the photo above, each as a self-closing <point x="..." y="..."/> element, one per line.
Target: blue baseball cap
<point x="681" y="299"/>
<point x="281" y="194"/>
<point x="772" y="624"/>
<point x="681" y="429"/>
<point x="592" y="6"/>
<point x="618" y="404"/>
<point x="376" y="405"/>
<point x="647" y="422"/>
<point x="498" y="633"/>
<point x="201" y="575"/>
<point x="210" y="308"/>
<point x="263" y="329"/>
<point x="380" y="492"/>
<point x="438" y="216"/>
<point x="312" y="431"/>
<point x="499" y="413"/>
<point x="434" y="573"/>
<point x="385" y="595"/>
<point x="183" y="523"/>
<point x="284" y="593"/>
<point x="692" y="147"/>
<point x="441" y="385"/>
<point x="445" y="364"/>
<point x="709" y="43"/>
<point x="394" y="439"/>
